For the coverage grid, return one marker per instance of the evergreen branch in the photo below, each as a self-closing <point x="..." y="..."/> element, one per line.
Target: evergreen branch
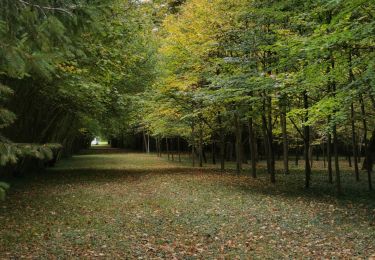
<point x="49" y="8"/>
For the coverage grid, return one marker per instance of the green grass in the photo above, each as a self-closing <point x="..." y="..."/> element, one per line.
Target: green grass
<point x="116" y="205"/>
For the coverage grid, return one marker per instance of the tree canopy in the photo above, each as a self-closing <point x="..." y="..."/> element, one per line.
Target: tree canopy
<point x="284" y="77"/>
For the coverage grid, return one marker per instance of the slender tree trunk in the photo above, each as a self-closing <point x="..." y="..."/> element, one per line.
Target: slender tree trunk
<point x="352" y="112"/>
<point x="268" y="137"/>
<point x="285" y="139"/>
<point x="237" y="124"/>
<point x="256" y="154"/>
<point x="324" y="155"/>
<point x="335" y="142"/>
<point x="306" y="139"/>
<point x="148" y="143"/>
<point x="178" y="149"/>
<point x="372" y="97"/>
<point x="349" y="159"/>
<point x="337" y="167"/>
<point x="160" y="147"/>
<point x="204" y="155"/>
<point x="157" y="146"/>
<point x="200" y="145"/>
<point x="172" y="148"/>
<point x="167" y="147"/>
<point x="222" y="143"/>
<point x="229" y="151"/>
<point x="265" y="136"/>
<point x="213" y="151"/>
<point x="368" y="160"/>
<point x="297" y="154"/>
<point x="329" y="141"/>
<point x="329" y="158"/>
<point x="193" y="144"/>
<point x="252" y="143"/>
<point x="144" y="141"/>
<point x="270" y="141"/>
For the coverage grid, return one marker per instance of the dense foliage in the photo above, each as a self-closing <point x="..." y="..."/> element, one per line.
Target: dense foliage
<point x="253" y="78"/>
<point x="289" y="76"/>
<point x="71" y="67"/>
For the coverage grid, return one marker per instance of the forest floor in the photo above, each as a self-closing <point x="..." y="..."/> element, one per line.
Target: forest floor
<point x="131" y="205"/>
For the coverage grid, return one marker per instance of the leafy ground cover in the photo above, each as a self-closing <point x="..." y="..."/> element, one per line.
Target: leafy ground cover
<point x="116" y="205"/>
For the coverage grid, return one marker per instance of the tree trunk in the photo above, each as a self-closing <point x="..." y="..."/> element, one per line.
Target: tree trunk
<point x="178" y="149"/>
<point x="148" y="143"/>
<point x="229" y="151"/>
<point x="144" y="141"/>
<point x="172" y="149"/>
<point x="200" y="145"/>
<point x="370" y="155"/>
<point x="337" y="167"/>
<point x="324" y="155"/>
<point x="157" y="146"/>
<point x="368" y="148"/>
<point x="285" y="139"/>
<point x="297" y="154"/>
<point x="270" y="141"/>
<point x="335" y="143"/>
<point x="193" y="144"/>
<point x="329" y="158"/>
<point x="238" y="131"/>
<point x="213" y="151"/>
<point x="167" y="147"/>
<point x="349" y="158"/>
<point x="222" y="143"/>
<point x="252" y="143"/>
<point x="265" y="137"/>
<point x="352" y="112"/>
<point x="306" y="139"/>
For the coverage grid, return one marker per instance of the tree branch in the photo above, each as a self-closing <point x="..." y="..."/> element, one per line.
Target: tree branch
<point x="49" y="8"/>
<point x="298" y="130"/>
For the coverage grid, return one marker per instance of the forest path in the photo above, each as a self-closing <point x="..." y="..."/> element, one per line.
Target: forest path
<point x="117" y="205"/>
